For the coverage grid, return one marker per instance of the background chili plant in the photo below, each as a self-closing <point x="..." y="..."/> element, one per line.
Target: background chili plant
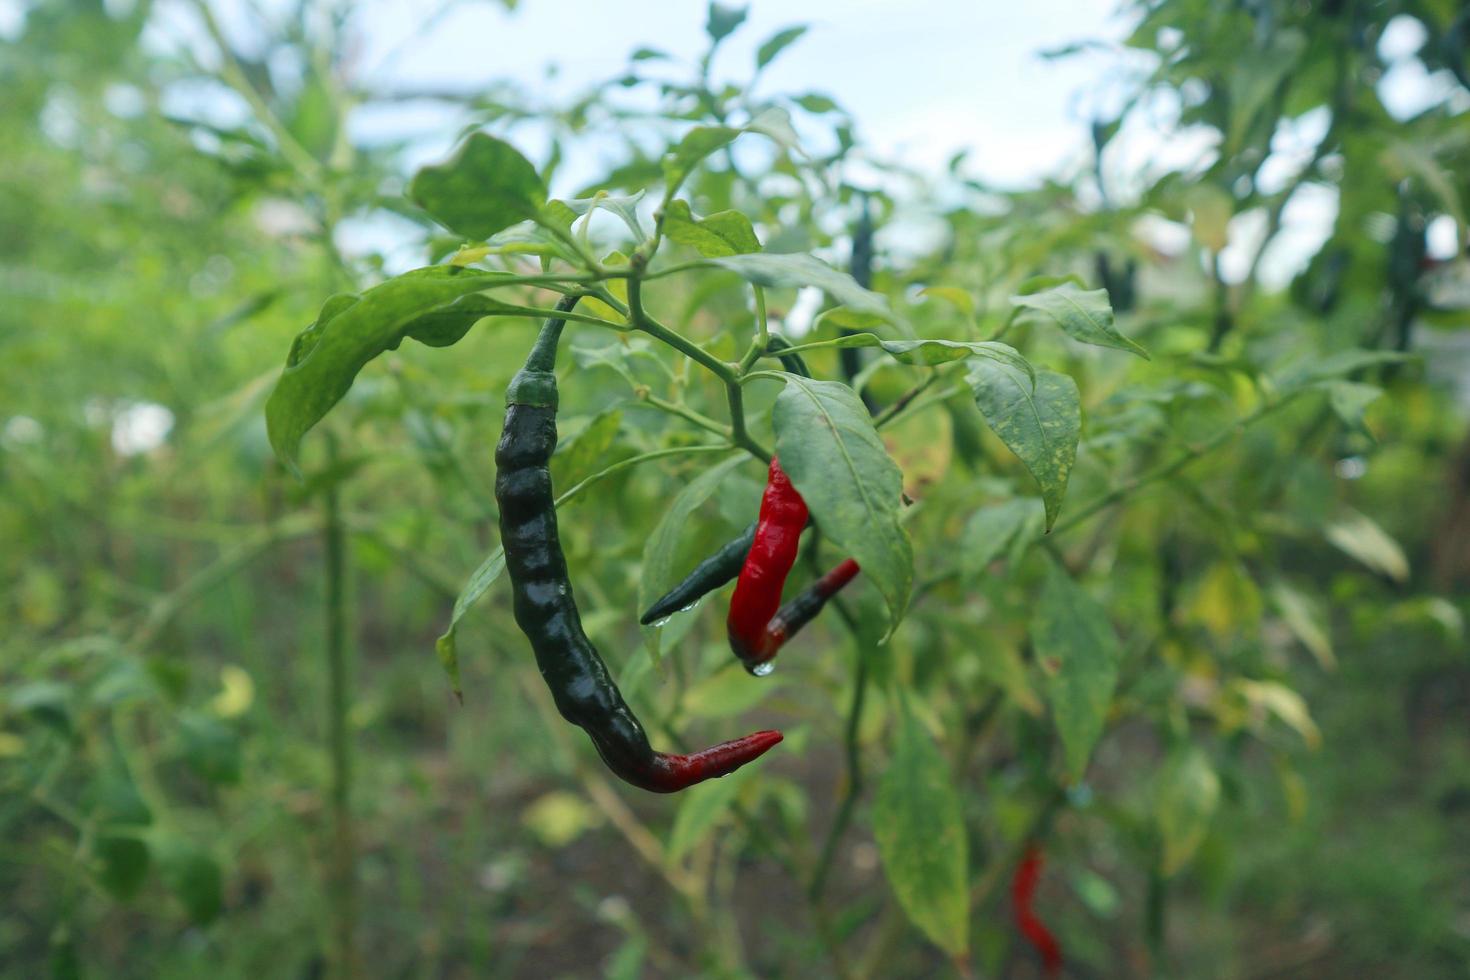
<point x="1252" y="554"/>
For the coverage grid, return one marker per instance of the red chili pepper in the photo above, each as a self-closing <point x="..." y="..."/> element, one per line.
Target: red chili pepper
<point x="758" y="624"/>
<point x="1023" y="890"/>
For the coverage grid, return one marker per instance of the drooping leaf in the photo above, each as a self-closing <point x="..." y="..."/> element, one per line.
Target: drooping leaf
<point x="1360" y="536"/>
<point x="797" y="269"/>
<point x="351" y="331"/>
<point x="446" y="647"/>
<point x="1079" y="653"/>
<point x="1086" y="315"/>
<point x="720" y="234"/>
<point x="828" y="446"/>
<point x="1305" y="620"/>
<point x="486" y="186"/>
<point x="1273" y="699"/>
<point x="1040" y="423"/>
<point x="918" y="823"/>
<point x="1185" y="798"/>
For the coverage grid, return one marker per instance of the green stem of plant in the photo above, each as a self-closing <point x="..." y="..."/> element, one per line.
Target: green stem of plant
<point x="853" y="753"/>
<point x="642" y="321"/>
<point x="632" y="461"/>
<point x="1169" y="468"/>
<point x="891" y="412"/>
<point x="686" y="413"/>
<point x="730" y="374"/>
<point x="343" y="874"/>
<point x="762" y="332"/>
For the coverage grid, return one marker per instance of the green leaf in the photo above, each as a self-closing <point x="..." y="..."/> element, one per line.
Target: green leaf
<point x="777" y="43"/>
<point x="486" y="186"/>
<point x="1078" y="651"/>
<point x="1185" y="798"/>
<point x="816" y="103"/>
<point x="701" y="809"/>
<point x="918" y="822"/>
<point x="701" y="141"/>
<point x="1349" y="400"/>
<point x="795" y="270"/>
<point x="1041" y="424"/>
<point x="1360" y="537"/>
<point x="446" y="647"/>
<point x="828" y="446"/>
<point x="1305" y="620"/>
<point x="928" y="353"/>
<point x="1086" y="315"/>
<point x="695" y="145"/>
<point x="727" y="694"/>
<point x="626" y="208"/>
<point x="350" y="331"/>
<point x="211" y="747"/>
<point x="191" y="874"/>
<point x="576" y="455"/>
<point x="723" y="19"/>
<point x="1335" y="365"/>
<point x="990" y="529"/>
<point x="722" y="233"/>
<point x="122" y="864"/>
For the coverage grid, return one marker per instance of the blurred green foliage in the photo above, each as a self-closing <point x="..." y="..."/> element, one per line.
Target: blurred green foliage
<point x="1269" y="520"/>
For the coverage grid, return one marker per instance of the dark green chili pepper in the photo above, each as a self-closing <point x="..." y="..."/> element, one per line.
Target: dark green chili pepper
<point x="708" y="575"/>
<point x="545" y="608"/>
<point x="724" y="564"/>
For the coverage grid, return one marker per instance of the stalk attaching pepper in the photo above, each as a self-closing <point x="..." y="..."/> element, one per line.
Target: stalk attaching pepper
<point x="1023" y="892"/>
<point x="546" y="610"/>
<point x="758" y="625"/>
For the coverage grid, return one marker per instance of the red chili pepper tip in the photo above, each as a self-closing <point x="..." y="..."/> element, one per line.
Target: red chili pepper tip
<point x="672" y="773"/>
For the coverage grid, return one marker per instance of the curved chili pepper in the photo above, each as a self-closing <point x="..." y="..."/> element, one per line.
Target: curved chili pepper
<point x="758" y="625"/>
<point x="546" y="610"/>
<point x="1023" y="890"/>
<point x="707" y="576"/>
<point x="724" y="564"/>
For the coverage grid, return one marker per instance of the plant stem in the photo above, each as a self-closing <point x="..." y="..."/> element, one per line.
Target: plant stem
<point x="342" y="888"/>
<point x="853" y="752"/>
<point x="1172" y="466"/>
<point x="642" y="321"/>
<point x="632" y="461"/>
<point x="730" y="374"/>
<point x="686" y="413"/>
